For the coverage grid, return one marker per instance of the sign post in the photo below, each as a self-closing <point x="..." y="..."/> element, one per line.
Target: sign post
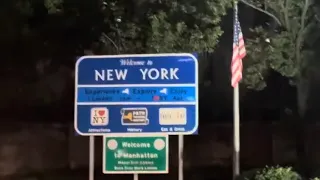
<point x="91" y="158"/>
<point x="135" y="177"/>
<point x="180" y="157"/>
<point x="137" y="94"/>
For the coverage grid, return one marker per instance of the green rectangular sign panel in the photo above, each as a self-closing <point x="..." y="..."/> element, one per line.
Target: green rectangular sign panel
<point x="131" y="154"/>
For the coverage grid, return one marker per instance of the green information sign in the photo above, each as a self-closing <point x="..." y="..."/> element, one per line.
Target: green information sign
<point x="130" y="154"/>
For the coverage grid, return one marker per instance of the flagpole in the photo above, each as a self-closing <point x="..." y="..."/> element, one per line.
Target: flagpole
<point x="236" y="133"/>
<point x="236" y="124"/>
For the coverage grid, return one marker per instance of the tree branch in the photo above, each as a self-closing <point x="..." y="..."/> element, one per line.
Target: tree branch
<point x="286" y="14"/>
<point x="317" y="18"/>
<point x="300" y="34"/>
<point x="263" y="11"/>
<point x="112" y="42"/>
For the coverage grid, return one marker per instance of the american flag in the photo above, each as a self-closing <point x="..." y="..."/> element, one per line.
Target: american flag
<point x="239" y="51"/>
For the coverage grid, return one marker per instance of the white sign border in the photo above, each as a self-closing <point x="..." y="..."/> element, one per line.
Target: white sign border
<point x="136" y="55"/>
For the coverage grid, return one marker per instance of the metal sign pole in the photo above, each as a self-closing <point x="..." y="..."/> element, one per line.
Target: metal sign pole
<point x="91" y="158"/>
<point x="135" y="177"/>
<point x="180" y="144"/>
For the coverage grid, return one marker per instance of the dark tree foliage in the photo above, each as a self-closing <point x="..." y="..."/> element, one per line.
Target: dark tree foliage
<point x="41" y="39"/>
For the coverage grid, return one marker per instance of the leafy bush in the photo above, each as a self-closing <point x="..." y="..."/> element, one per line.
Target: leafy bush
<point x="271" y="173"/>
<point x="277" y="173"/>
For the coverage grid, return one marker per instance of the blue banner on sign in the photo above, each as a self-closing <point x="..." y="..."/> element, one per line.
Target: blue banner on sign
<point x="136" y="94"/>
<point x="155" y="93"/>
<point x="137" y="70"/>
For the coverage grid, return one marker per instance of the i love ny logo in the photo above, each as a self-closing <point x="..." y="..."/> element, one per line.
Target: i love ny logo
<point x="99" y="116"/>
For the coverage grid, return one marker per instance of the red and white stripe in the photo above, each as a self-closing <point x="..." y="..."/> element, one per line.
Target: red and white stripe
<point x="239" y="52"/>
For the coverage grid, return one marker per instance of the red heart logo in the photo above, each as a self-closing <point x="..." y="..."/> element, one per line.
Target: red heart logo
<point x="101" y="112"/>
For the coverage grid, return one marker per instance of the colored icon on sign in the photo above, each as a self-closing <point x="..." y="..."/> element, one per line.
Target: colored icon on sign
<point x="156" y="98"/>
<point x="126" y="91"/>
<point x="134" y="116"/>
<point x="173" y="116"/>
<point x="159" y="144"/>
<point x="112" y="144"/>
<point x="99" y="116"/>
<point x="164" y="91"/>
